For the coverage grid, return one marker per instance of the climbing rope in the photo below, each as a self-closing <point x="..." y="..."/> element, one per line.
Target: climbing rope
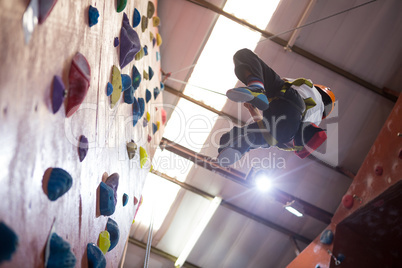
<point x="186" y="83"/>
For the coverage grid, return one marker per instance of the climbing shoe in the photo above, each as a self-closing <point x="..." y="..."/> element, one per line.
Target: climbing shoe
<point x="251" y="94"/>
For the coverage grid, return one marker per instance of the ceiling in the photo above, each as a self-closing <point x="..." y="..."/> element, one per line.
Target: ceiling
<point x="363" y="42"/>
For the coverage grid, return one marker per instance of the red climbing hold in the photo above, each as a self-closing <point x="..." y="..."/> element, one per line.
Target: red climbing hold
<point x="347" y="201"/>
<point x="378" y="170"/>
<point x="79" y="79"/>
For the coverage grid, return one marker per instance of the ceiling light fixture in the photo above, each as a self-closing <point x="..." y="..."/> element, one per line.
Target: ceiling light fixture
<point x="294" y="208"/>
<point x="198" y="231"/>
<point x="263" y="182"/>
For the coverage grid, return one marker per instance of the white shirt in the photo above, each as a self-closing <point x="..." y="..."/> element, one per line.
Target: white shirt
<point x="314" y="114"/>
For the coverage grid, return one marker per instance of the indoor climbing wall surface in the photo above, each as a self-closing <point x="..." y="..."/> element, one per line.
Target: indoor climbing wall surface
<point x="80" y="118"/>
<point x="381" y="170"/>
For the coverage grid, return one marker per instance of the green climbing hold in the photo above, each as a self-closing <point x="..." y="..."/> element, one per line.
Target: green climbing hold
<point x="140" y="54"/>
<point x="121" y="5"/>
<point x="117" y="86"/>
<point x="144" y="23"/>
<point x="145" y="75"/>
<point x="150" y="10"/>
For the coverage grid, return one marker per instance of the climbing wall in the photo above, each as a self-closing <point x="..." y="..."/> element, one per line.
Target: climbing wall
<point x="366" y="228"/>
<point x="81" y="115"/>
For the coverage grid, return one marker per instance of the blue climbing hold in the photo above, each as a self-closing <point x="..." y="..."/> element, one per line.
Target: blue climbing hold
<point x="157" y="55"/>
<point x="116" y="42"/>
<point x="148" y="95"/>
<point x="141" y="104"/>
<point x="9" y="242"/>
<point x="93" y="15"/>
<point x="150" y="72"/>
<point x="109" y="89"/>
<point x="125" y="199"/>
<point x="327" y="237"/>
<point x="136" y="18"/>
<point x="83" y="147"/>
<point x="113" y="182"/>
<point x="60" y="254"/>
<point x="162" y="86"/>
<point x="145" y="50"/>
<point x="136" y="78"/>
<point x="129" y="95"/>
<point x="106" y="200"/>
<point x="59" y="183"/>
<point x="156" y="92"/>
<point x="114" y="233"/>
<point x="96" y="259"/>
<point x="125" y="82"/>
<point x="341" y="257"/>
<point x="145" y="122"/>
<point x="136" y="112"/>
<point x="154" y="128"/>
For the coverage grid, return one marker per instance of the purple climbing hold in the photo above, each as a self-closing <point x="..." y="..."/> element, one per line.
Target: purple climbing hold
<point x="58" y="93"/>
<point x="156" y="92"/>
<point x="150" y="72"/>
<point x="141" y="104"/>
<point x="129" y="95"/>
<point x="129" y="43"/>
<point x="148" y="95"/>
<point x="145" y="122"/>
<point x="93" y="15"/>
<point x="136" y="18"/>
<point x="136" y="78"/>
<point x="125" y="81"/>
<point x="116" y="42"/>
<point x="153" y="41"/>
<point x="109" y="89"/>
<point x="113" y="182"/>
<point x="83" y="147"/>
<point x="45" y="7"/>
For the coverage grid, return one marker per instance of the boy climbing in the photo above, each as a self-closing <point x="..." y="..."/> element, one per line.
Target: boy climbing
<point x="292" y="110"/>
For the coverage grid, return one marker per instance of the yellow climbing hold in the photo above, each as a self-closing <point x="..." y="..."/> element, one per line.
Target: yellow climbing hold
<point x="148" y="116"/>
<point x="117" y="86"/>
<point x="143" y="157"/>
<point x="152" y="168"/>
<point x="140" y="54"/>
<point x="158" y="124"/>
<point x="104" y="241"/>
<point x="151" y="36"/>
<point x="158" y="39"/>
<point x="156" y="21"/>
<point x="145" y="75"/>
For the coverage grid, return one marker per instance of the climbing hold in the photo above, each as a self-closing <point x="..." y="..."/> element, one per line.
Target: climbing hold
<point x="79" y="80"/>
<point x="117" y="86"/>
<point x="156" y="21"/>
<point x="347" y="201"/>
<point x="162" y="86"/>
<point x="163" y="115"/>
<point x="136" y="78"/>
<point x="140" y="54"/>
<point x="109" y="89"/>
<point x="59" y="253"/>
<point x="121" y="5"/>
<point x="96" y="259"/>
<point x="378" y="170"/>
<point x="136" y="18"/>
<point x="143" y="157"/>
<point x="125" y="199"/>
<point x="136" y="112"/>
<point x="145" y="50"/>
<point x="113" y="182"/>
<point x="156" y="92"/>
<point x="144" y="23"/>
<point x="158" y="39"/>
<point x="327" y="237"/>
<point x="104" y="241"/>
<point x="131" y="149"/>
<point x="9" y="242"/>
<point x="151" y="36"/>
<point x="141" y="104"/>
<point x="45" y="7"/>
<point x="129" y="43"/>
<point x="59" y="183"/>
<point x="148" y="95"/>
<point x="129" y="95"/>
<point x="58" y="93"/>
<point x="125" y="81"/>
<point x="145" y="75"/>
<point x="116" y="42"/>
<point x="340" y="257"/>
<point x="83" y="147"/>
<point x="149" y="138"/>
<point x="150" y="9"/>
<point x="158" y="125"/>
<point x="148" y="116"/>
<point x="145" y="122"/>
<point x="114" y="233"/>
<point x="157" y="56"/>
<point x="135" y="201"/>
<point x="136" y="211"/>
<point x="93" y="15"/>
<point x="153" y="42"/>
<point x="154" y="128"/>
<point x="106" y="200"/>
<point x="150" y="72"/>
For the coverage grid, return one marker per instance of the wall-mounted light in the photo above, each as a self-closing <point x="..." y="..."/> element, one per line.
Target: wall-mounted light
<point x="295" y="208"/>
